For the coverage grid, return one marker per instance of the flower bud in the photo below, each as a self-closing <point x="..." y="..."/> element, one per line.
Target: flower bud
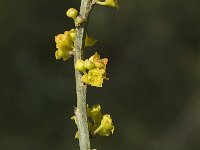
<point x="111" y="3"/>
<point x="72" y="13"/>
<point x="89" y="64"/>
<point x="79" y="65"/>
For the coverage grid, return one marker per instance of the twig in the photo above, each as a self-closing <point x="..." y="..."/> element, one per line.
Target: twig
<point x="81" y="89"/>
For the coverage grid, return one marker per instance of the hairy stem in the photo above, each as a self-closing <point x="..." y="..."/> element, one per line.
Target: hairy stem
<point x="81" y="89"/>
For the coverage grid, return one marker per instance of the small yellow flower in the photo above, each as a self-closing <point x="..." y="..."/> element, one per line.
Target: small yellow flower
<point x="94" y="77"/>
<point x="111" y="3"/>
<point x="65" y="44"/>
<point x="94" y="57"/>
<point x="89" y="64"/>
<point x="72" y="34"/>
<point x="99" y="63"/>
<point x="96" y="70"/>
<point x="97" y="123"/>
<point x="64" y="40"/>
<point x="95" y="113"/>
<point x="72" y="13"/>
<point x="62" y="54"/>
<point x="79" y="65"/>
<point x="106" y="127"/>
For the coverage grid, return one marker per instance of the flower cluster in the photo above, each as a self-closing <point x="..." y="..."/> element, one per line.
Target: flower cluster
<point x="65" y="44"/>
<point x="97" y="123"/>
<point x="111" y="3"/>
<point x="94" y="70"/>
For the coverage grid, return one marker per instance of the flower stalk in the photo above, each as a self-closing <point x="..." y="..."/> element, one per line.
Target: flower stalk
<point x="81" y="88"/>
<point x="89" y="72"/>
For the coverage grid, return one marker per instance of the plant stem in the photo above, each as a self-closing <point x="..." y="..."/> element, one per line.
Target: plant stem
<point x="81" y="89"/>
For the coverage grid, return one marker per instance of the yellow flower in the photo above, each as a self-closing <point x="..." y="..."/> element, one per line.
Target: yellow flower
<point x="79" y="65"/>
<point x="62" y="54"/>
<point x="97" y="123"/>
<point x="65" y="44"/>
<point x="72" y="13"/>
<point x="111" y="3"/>
<point x="94" y="57"/>
<point x="96" y="70"/>
<point x="95" y="113"/>
<point x="99" y="63"/>
<point x="106" y="127"/>
<point x="72" y="34"/>
<point x="65" y="40"/>
<point x="89" y="64"/>
<point x="94" y="77"/>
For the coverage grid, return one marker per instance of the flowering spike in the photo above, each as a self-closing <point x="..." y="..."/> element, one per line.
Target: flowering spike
<point x="93" y="72"/>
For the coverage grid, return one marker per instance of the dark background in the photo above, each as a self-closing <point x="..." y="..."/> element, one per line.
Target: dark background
<point x="153" y="94"/>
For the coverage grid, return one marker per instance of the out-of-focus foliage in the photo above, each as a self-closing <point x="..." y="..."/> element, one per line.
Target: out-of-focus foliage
<point x="154" y="68"/>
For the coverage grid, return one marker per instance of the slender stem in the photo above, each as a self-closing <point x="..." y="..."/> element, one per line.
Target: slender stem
<point x="81" y="89"/>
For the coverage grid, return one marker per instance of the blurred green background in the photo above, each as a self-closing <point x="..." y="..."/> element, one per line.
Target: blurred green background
<point x="153" y="94"/>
